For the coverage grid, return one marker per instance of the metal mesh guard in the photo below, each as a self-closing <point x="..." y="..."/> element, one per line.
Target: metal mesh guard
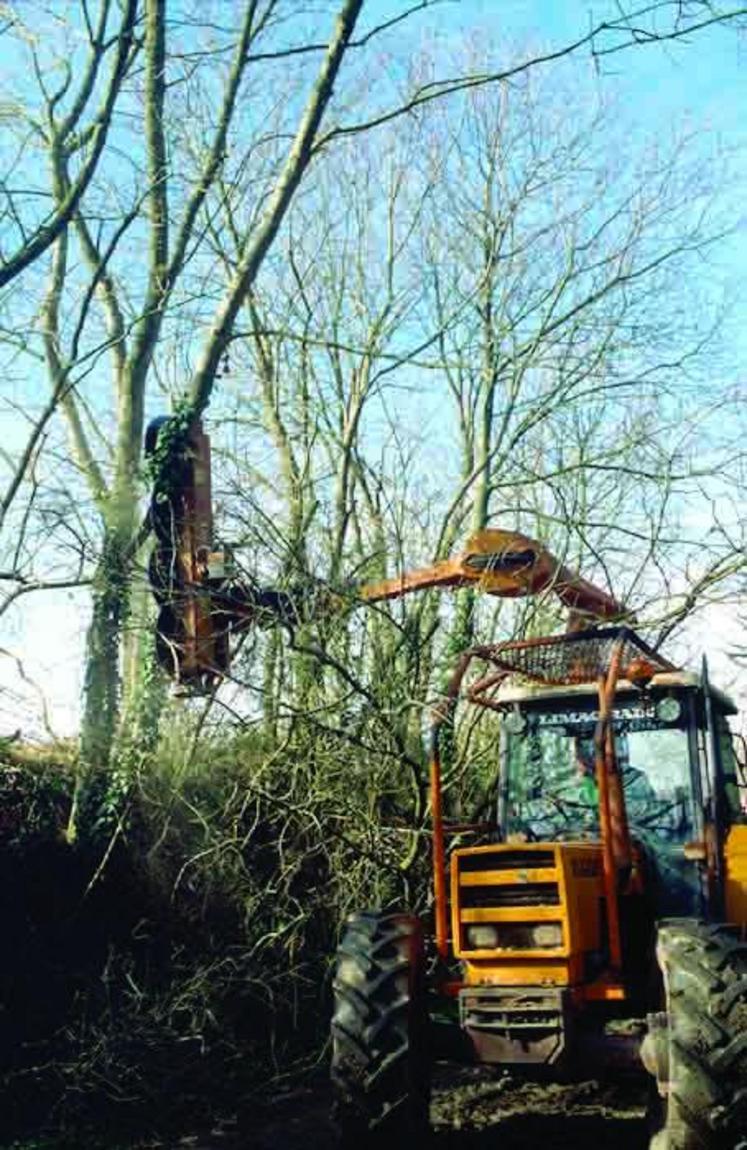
<point x="578" y="657"/>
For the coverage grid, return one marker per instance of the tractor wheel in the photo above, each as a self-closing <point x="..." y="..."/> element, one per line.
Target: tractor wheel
<point x="697" y="1047"/>
<point x="380" y="1069"/>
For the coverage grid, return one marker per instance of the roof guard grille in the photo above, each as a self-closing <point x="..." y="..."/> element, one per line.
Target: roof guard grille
<point x="576" y="657"/>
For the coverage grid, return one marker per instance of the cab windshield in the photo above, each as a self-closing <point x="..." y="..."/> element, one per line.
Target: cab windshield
<point x="551" y="790"/>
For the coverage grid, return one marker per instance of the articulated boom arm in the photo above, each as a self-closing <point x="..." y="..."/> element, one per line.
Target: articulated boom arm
<point x="201" y="604"/>
<point x="507" y="564"/>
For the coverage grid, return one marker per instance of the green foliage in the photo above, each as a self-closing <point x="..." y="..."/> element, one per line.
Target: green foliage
<point x="171" y="445"/>
<point x="111" y="600"/>
<point x="171" y="971"/>
<point x="34" y="801"/>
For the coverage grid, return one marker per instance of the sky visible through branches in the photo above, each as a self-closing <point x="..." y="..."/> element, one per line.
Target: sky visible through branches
<point x="659" y="91"/>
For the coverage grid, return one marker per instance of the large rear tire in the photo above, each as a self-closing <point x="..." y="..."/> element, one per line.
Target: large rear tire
<point x="698" y="1045"/>
<point x="380" y="1066"/>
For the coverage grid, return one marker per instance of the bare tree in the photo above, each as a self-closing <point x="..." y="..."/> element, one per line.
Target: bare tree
<point x="209" y="203"/>
<point x="564" y="361"/>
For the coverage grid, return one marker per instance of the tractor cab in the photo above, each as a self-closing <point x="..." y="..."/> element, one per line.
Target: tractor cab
<point x="665" y="754"/>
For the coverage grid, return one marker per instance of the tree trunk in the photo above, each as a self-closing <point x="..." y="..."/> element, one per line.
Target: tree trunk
<point x="143" y="690"/>
<point x="102" y="687"/>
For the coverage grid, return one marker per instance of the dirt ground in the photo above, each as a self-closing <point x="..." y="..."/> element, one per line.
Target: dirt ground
<point x="471" y="1113"/>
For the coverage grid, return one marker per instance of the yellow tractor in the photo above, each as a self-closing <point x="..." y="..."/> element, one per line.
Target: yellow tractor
<point x="603" y="923"/>
<point x="600" y="919"/>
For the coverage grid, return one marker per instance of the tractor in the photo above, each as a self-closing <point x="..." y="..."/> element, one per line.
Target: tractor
<point x="601" y="926"/>
<point x="597" y="920"/>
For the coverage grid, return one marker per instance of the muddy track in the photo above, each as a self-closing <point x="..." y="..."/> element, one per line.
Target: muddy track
<point x="470" y="1113"/>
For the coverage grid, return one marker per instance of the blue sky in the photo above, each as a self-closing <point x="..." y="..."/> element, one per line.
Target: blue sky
<point x="703" y="78"/>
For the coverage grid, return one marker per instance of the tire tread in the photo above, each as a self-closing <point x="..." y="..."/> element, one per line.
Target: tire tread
<point x="378" y="1056"/>
<point x="705" y="976"/>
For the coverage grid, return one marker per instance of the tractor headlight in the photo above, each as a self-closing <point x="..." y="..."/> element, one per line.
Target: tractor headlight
<point x="515" y="936"/>
<point x="547" y="935"/>
<point x="482" y="937"/>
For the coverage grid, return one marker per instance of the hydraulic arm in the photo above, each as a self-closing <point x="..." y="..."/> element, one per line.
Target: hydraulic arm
<point x="202" y="603"/>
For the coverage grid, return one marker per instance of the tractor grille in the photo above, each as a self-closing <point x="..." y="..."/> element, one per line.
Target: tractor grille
<point x="513" y="894"/>
<point x="506" y="860"/>
<point x="508" y="900"/>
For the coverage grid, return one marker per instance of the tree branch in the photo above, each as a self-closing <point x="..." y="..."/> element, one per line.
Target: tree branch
<point x="47" y="233"/>
<point x="298" y="160"/>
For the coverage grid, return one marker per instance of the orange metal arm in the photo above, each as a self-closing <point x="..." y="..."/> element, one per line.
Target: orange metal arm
<point x="199" y="609"/>
<point x="507" y="564"/>
<point x="612" y="820"/>
<point x="444" y="713"/>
